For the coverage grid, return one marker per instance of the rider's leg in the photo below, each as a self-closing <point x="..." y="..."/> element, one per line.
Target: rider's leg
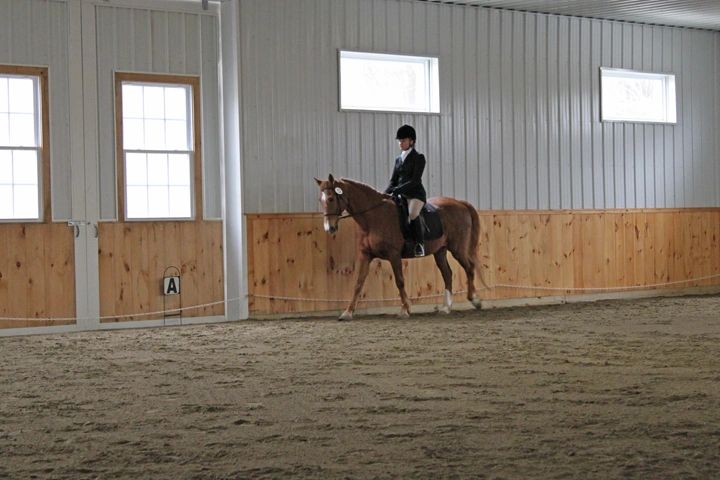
<point x="414" y="207"/>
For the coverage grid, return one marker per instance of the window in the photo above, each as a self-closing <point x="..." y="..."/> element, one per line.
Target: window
<point x="158" y="174"/>
<point x="397" y="83"/>
<point x="24" y="164"/>
<point x="630" y="96"/>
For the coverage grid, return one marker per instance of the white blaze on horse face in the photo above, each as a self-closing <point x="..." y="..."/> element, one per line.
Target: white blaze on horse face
<point x="326" y="222"/>
<point x="330" y="227"/>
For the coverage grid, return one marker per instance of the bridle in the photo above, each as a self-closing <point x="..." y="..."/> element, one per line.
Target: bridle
<point x="339" y="210"/>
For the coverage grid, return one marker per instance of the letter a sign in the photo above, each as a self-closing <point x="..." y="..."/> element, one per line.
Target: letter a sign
<point x="171" y="285"/>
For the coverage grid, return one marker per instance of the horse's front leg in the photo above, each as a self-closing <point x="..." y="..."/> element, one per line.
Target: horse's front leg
<point x="396" y="263"/>
<point x="442" y="264"/>
<point x="363" y="262"/>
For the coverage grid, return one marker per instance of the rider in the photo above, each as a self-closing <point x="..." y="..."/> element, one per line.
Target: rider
<point x="406" y="180"/>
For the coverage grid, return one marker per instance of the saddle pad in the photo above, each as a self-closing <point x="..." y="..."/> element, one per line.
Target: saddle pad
<point x="428" y="215"/>
<point x="433" y="225"/>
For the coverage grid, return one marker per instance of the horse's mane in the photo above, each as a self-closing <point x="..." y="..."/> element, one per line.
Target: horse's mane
<point x="362" y="186"/>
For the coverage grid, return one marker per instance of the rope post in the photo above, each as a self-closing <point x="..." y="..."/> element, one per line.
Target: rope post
<point x="171" y="287"/>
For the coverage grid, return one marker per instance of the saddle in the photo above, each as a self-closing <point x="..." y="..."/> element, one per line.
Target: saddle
<point x="429" y="218"/>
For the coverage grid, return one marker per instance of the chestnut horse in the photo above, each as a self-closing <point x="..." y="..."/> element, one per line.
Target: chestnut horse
<point x="381" y="237"/>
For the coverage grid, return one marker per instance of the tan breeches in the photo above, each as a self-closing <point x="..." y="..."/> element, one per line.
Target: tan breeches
<point x="414" y="207"/>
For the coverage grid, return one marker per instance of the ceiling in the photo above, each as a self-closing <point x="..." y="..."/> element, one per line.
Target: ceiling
<point x="703" y="14"/>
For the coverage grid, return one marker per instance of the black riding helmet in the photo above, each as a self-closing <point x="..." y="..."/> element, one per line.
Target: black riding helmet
<point x="406" y="131"/>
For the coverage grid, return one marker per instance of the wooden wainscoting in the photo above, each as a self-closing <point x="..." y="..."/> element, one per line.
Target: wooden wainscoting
<point x="134" y="257"/>
<point x="294" y="266"/>
<point x="597" y="251"/>
<point x="37" y="275"/>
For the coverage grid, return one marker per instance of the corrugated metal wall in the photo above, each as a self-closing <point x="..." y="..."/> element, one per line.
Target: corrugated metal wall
<point x="36" y="33"/>
<point x="519" y="125"/>
<point x="158" y="41"/>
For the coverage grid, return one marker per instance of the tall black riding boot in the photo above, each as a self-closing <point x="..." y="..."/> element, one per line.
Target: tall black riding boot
<point x="417" y="229"/>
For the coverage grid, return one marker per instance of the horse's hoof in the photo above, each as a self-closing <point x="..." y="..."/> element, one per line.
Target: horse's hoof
<point x="404" y="313"/>
<point x="445" y="309"/>
<point x="476" y="303"/>
<point x="345" y="316"/>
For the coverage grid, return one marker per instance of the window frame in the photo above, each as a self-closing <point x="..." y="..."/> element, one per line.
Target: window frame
<point x="193" y="82"/>
<point x="433" y="75"/>
<point x="640" y="73"/>
<point x="43" y="106"/>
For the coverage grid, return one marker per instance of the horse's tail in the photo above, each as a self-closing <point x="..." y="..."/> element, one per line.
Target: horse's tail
<point x="475" y="242"/>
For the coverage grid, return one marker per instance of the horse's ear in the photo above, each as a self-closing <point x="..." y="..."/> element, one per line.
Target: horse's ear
<point x="331" y="179"/>
<point x="319" y="182"/>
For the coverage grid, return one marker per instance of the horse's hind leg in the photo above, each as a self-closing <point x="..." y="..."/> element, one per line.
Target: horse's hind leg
<point x="442" y="264"/>
<point x="396" y="263"/>
<point x="363" y="262"/>
<point x="468" y="264"/>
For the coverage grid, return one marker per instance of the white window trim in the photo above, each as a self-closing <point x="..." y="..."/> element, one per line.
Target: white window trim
<point x="195" y="154"/>
<point x="670" y="96"/>
<point x="41" y="102"/>
<point x="432" y="72"/>
<point x="191" y="155"/>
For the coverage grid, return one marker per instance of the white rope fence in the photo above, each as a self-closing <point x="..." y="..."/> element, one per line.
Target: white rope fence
<point x="499" y="285"/>
<point x="364" y="300"/>
<point x="609" y="289"/>
<point x="117" y="317"/>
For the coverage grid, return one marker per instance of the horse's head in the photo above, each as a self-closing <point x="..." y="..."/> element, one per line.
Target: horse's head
<point x="332" y="202"/>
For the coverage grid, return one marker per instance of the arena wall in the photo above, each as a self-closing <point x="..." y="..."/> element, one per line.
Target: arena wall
<point x="519" y="124"/>
<point x="556" y="255"/>
<point x="83" y="266"/>
<point x="518" y="135"/>
<point x="568" y="202"/>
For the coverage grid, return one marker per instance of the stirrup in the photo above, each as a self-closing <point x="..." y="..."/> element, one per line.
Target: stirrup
<point x="419" y="250"/>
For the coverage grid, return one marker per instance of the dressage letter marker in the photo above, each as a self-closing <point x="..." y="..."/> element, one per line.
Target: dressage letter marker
<point x="171" y="285"/>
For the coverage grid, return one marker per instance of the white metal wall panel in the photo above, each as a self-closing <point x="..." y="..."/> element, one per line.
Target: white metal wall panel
<point x="211" y="125"/>
<point x="519" y="124"/>
<point x="35" y="32"/>
<point x="716" y="122"/>
<point x="158" y="41"/>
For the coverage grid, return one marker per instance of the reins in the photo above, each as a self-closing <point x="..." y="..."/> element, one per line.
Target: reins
<point x="347" y="215"/>
<point x="350" y="214"/>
